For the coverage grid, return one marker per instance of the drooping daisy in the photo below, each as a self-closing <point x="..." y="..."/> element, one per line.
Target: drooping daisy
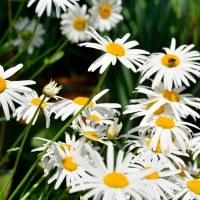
<point x="115" y="50"/>
<point x="179" y="102"/>
<point x="110" y="182"/>
<point x="74" y="24"/>
<point x="64" y="108"/>
<point x="27" y="110"/>
<point x="157" y="179"/>
<point x="191" y="188"/>
<point x="164" y="130"/>
<point x="25" y="29"/>
<point x="105" y="14"/>
<point x="176" y="66"/>
<point x="47" y="4"/>
<point x="9" y="90"/>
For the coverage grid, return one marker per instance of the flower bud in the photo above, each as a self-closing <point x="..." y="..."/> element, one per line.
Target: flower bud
<point x="26" y="34"/>
<point x="113" y="130"/>
<point x="50" y="90"/>
<point x="83" y="198"/>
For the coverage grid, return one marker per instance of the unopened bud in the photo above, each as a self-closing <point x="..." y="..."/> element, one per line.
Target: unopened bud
<point x="113" y="130"/>
<point x="26" y="34"/>
<point x="83" y="198"/>
<point x="50" y="90"/>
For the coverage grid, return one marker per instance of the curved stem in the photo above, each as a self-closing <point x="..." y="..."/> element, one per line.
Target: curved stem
<point x="26" y="46"/>
<point x="60" y="132"/>
<point x="27" y="129"/>
<point x="50" y="191"/>
<point x="64" y="192"/>
<point x="13" y="21"/>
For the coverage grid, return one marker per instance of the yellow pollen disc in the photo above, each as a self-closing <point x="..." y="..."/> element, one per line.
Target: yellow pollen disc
<point x="170" y="60"/>
<point x="82" y="101"/>
<point x="2" y="84"/>
<point x="160" y="110"/>
<point x="91" y="135"/>
<point x="165" y="122"/>
<point x="94" y="117"/>
<point x="67" y="145"/>
<point x="153" y="175"/>
<point x="116" y="180"/>
<point x="182" y="173"/>
<point x="158" y="148"/>
<point x="68" y="164"/>
<point x="115" y="49"/>
<point x="79" y="24"/>
<point x="194" y="186"/>
<point x="105" y="11"/>
<point x="36" y="102"/>
<point x="171" y="96"/>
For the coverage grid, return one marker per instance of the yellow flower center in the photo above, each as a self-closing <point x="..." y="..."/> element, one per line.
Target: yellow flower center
<point x="158" y="148"/>
<point x="82" y="101"/>
<point x="182" y="173"/>
<point x="160" y="110"/>
<point x="105" y="11"/>
<point x="36" y="102"/>
<point x="68" y="164"/>
<point x="115" y="49"/>
<point x="171" y="96"/>
<point x="67" y="145"/>
<point x="153" y="175"/>
<point x="2" y="84"/>
<point x="194" y="186"/>
<point x="91" y="135"/>
<point x="165" y="122"/>
<point x="79" y="24"/>
<point x="116" y="180"/>
<point x="170" y="60"/>
<point x="95" y="118"/>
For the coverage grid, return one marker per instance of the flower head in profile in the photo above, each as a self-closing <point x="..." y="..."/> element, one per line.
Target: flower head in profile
<point x="47" y="4"/>
<point x="50" y="90"/>
<point x="115" y="50"/>
<point x="113" y="130"/>
<point x="74" y="24"/>
<point x="174" y="67"/>
<point x="9" y="90"/>
<point x="105" y="14"/>
<point x="25" y="29"/>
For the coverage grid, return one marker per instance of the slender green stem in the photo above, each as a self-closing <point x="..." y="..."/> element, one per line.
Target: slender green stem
<point x="33" y="187"/>
<point x="60" y="132"/>
<point x="64" y="192"/>
<point x="27" y="129"/>
<point x="26" y="46"/>
<point x="13" y="21"/>
<point x="50" y="191"/>
<point x="27" y="185"/>
<point x="102" y="149"/>
<point x="78" y="195"/>
<point x="197" y="176"/>
<point x="47" y="63"/>
<point x="74" y="132"/>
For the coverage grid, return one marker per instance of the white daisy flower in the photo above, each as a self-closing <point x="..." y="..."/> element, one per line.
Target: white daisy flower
<point x="9" y="90"/>
<point x="110" y="182"/>
<point x="105" y="14"/>
<point x="157" y="179"/>
<point x="75" y="23"/>
<point x="47" y="4"/>
<point x="115" y="50"/>
<point x="67" y="107"/>
<point x="195" y="145"/>
<point x="176" y="66"/>
<point x="25" y="29"/>
<point x="165" y="130"/>
<point x="179" y="102"/>
<point x="191" y="189"/>
<point x="27" y="110"/>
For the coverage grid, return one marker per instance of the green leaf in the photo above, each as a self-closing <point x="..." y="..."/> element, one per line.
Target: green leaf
<point x="57" y="57"/>
<point x="14" y="149"/>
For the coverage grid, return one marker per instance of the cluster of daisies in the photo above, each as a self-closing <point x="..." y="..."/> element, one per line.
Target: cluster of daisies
<point x="103" y="16"/>
<point x="154" y="166"/>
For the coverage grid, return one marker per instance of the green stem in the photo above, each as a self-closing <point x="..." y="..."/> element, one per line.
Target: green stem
<point x="197" y="176"/>
<point x="78" y="195"/>
<point x="27" y="129"/>
<point x="46" y="63"/>
<point x="64" y="192"/>
<point x="60" y="132"/>
<point x="26" y="46"/>
<point x="27" y="185"/>
<point x="104" y="146"/>
<point x="33" y="187"/>
<point x="13" y="21"/>
<point x="50" y="191"/>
